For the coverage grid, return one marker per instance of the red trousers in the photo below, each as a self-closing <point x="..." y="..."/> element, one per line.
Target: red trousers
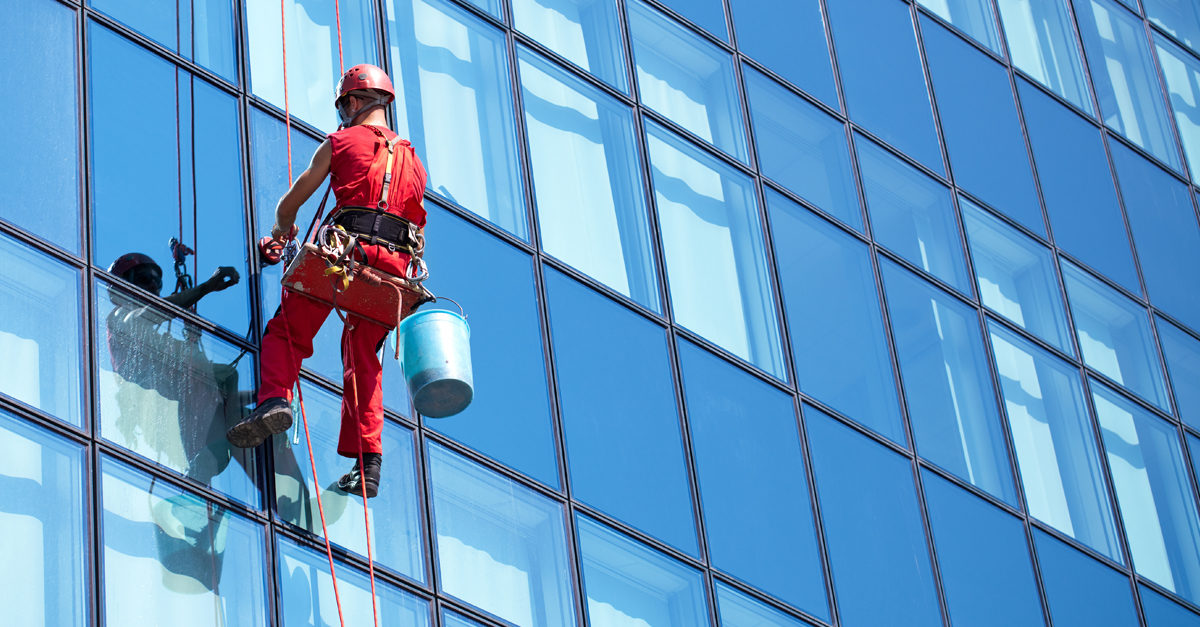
<point x="288" y="341"/>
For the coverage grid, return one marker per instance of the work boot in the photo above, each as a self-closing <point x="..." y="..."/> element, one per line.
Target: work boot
<point x="350" y="482"/>
<point x="273" y="415"/>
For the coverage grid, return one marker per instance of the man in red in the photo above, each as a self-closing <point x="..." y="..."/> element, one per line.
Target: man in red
<point x="388" y="213"/>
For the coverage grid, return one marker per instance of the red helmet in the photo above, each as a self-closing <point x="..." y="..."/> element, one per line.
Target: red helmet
<point x="365" y="76"/>
<point x="128" y="262"/>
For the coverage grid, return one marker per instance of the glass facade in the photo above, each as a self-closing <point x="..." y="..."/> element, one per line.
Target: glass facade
<point x="802" y="313"/>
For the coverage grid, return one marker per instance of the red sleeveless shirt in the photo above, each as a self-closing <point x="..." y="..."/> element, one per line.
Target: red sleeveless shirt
<point x="357" y="166"/>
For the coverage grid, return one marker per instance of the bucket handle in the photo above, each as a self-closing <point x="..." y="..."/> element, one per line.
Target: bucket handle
<point x="461" y="311"/>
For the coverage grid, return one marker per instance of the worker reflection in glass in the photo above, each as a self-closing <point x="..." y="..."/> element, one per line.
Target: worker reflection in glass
<point x="379" y="183"/>
<point x="159" y="374"/>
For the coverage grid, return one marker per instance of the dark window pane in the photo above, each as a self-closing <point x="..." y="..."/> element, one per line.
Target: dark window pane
<point x="708" y="14"/>
<point x="1081" y="591"/>
<point x="586" y="32"/>
<point x="788" y="36"/>
<point x="987" y="582"/>
<point x="873" y="528"/>
<point x="200" y="30"/>
<point x="838" y="339"/>
<point x="509" y="418"/>
<point x="41" y="338"/>
<point x="1077" y="184"/>
<point x="624" y="449"/>
<point x="1163" y="612"/>
<point x="40" y="33"/>
<point x="1042" y="43"/>
<point x="982" y="131"/>
<point x="42" y="523"/>
<point x="1182" y="353"/>
<point x="748" y="459"/>
<point x="882" y="78"/>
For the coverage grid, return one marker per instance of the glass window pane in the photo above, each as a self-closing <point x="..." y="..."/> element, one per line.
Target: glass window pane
<point x="492" y="7"/>
<point x="307" y="595"/>
<point x="877" y="53"/>
<point x="973" y="17"/>
<point x="1163" y="612"/>
<point x="1015" y="275"/>
<point x="40" y="331"/>
<point x="1182" y="354"/>
<point x="788" y="36"/>
<point x="509" y="418"/>
<point x="456" y="106"/>
<point x="624" y="449"/>
<point x="748" y="459"/>
<point x="1077" y="185"/>
<point x="988" y="583"/>
<point x="586" y="32"/>
<point x="715" y="256"/>
<point x="1054" y="442"/>
<point x="199" y="562"/>
<point x="1182" y="73"/>
<point x="1114" y="335"/>
<point x="839" y="343"/>
<point x="397" y="539"/>
<point x="873" y="528"/>
<point x="169" y="391"/>
<point x="687" y="79"/>
<point x="1153" y="491"/>
<point x="951" y="401"/>
<point x="42" y="525"/>
<point x="708" y="14"/>
<point x="187" y="177"/>
<point x="454" y="619"/>
<point x="739" y="610"/>
<point x="501" y="547"/>
<point x="313" y="41"/>
<point x="587" y="179"/>
<point x="1125" y="78"/>
<point x="199" y="30"/>
<point x="1041" y="42"/>
<point x="627" y="583"/>
<point x="40" y="33"/>
<point x="1180" y="18"/>
<point x="912" y="215"/>
<point x="1080" y="591"/>
<point x="802" y="148"/>
<point x="982" y="131"/>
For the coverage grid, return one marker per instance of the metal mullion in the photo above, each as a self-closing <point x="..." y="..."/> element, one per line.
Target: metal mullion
<point x="696" y="29"/>
<point x="44" y="421"/>
<point x="492" y="464"/>
<point x="424" y="480"/>
<point x="696" y="141"/>
<point x="818" y="522"/>
<point x="617" y="297"/>
<point x="766" y="599"/>
<point x="572" y="69"/>
<point x="740" y="362"/>
<point x="92" y="480"/>
<point x="927" y="75"/>
<point x="1168" y="108"/>
<point x="949" y="477"/>
<point x="843" y="227"/>
<point x="44" y="246"/>
<point x="995" y="55"/>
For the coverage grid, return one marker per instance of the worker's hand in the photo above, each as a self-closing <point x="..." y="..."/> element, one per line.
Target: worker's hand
<point x="222" y="278"/>
<point x="278" y="233"/>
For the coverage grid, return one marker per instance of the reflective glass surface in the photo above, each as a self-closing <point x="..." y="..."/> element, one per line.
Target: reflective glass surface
<point x="802" y="148"/>
<point x="1114" y="335"/>
<point x="1077" y="185"/>
<point x="1054" y="442"/>
<point x="620" y="422"/>
<point x="1082" y="592"/>
<point x="587" y="180"/>
<point x="982" y="131"/>
<point x="715" y="256"/>
<point x="873" y="529"/>
<point x="585" y="32"/>
<point x="1163" y="612"/>
<point x="169" y="391"/>
<point x="491" y="6"/>
<point x="708" y="14"/>
<point x="396" y="536"/>
<point x="41" y="337"/>
<point x="1015" y="275"/>
<point x="173" y="558"/>
<point x="509" y="418"/>
<point x="1182" y="354"/>
<point x="1182" y="73"/>
<point x="1180" y="18"/>
<point x="748" y="459"/>
<point x="313" y="66"/>
<point x="736" y="609"/>
<point x="687" y="79"/>
<point x="973" y="17"/>
<point x="40" y="33"/>
<point x="457" y="108"/>
<point x="839" y="342"/>
<point x="500" y="546"/>
<point x="951" y="401"/>
<point x="912" y="215"/>
<point x="788" y="36"/>
<point x="200" y="30"/>
<point x="454" y="619"/>
<point x="627" y="583"/>
<point x="1155" y="497"/>
<point x="41" y="527"/>
<point x="1041" y="42"/>
<point x="1125" y="77"/>
<point x="882" y="78"/>
<point x="307" y="596"/>
<point x="986" y="583"/>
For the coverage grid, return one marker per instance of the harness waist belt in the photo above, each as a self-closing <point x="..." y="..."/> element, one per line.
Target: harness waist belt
<point x="377" y="227"/>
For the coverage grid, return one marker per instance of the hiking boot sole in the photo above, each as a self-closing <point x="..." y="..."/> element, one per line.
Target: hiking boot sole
<point x="351" y="486"/>
<point x="253" y="431"/>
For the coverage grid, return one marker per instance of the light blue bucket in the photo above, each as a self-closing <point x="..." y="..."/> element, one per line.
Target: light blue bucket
<point x="437" y="361"/>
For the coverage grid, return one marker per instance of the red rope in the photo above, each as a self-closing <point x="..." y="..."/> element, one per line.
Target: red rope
<point x="337" y="12"/>
<point x="287" y="113"/>
<point x="362" y="477"/>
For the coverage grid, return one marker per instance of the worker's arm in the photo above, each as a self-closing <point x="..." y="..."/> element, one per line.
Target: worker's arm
<point x="223" y="277"/>
<point x="305" y="185"/>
